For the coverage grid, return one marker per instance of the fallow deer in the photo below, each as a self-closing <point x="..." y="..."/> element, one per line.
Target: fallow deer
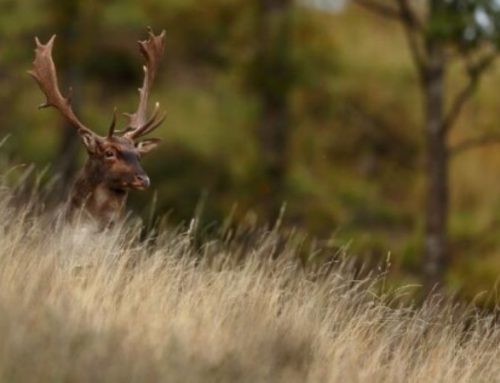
<point x="113" y="165"/>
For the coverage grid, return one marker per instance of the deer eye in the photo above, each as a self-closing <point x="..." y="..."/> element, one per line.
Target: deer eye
<point x="109" y="154"/>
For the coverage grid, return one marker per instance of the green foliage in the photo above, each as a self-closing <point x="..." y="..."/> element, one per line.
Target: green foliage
<point x="464" y="23"/>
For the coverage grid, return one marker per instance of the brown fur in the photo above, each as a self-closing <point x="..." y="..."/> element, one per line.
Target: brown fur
<point x="101" y="189"/>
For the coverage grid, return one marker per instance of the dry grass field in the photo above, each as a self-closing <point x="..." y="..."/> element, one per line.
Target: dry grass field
<point x="83" y="307"/>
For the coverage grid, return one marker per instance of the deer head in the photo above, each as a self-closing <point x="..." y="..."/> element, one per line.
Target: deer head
<point x="114" y="159"/>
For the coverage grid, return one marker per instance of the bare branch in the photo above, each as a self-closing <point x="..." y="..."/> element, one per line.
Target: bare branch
<point x="401" y="12"/>
<point x="379" y="8"/>
<point x="414" y="34"/>
<point x="474" y="143"/>
<point x="407" y="16"/>
<point x="474" y="71"/>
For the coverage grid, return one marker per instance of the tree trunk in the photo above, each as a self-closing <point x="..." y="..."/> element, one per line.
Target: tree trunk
<point x="66" y="18"/>
<point x="273" y="83"/>
<point x="436" y="167"/>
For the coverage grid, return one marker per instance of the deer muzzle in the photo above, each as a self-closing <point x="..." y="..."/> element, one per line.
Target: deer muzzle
<point x="141" y="182"/>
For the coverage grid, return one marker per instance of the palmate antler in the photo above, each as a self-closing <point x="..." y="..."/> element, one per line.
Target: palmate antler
<point x="44" y="72"/>
<point x="139" y="124"/>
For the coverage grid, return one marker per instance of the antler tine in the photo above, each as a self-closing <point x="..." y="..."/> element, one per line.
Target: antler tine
<point x="152" y="49"/>
<point x="45" y="74"/>
<point x="111" y="130"/>
<point x="155" y="125"/>
<point x="142" y="129"/>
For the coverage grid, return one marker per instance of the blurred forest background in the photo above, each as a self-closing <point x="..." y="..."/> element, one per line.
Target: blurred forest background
<point x="326" y="106"/>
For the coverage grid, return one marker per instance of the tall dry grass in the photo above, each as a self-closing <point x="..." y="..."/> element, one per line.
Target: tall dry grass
<point x="77" y="306"/>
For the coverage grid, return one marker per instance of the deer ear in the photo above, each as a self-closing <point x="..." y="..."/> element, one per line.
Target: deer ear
<point x="91" y="142"/>
<point x="148" y="145"/>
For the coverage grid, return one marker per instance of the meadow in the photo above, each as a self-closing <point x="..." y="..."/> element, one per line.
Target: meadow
<point x="331" y="291"/>
<point x="80" y="306"/>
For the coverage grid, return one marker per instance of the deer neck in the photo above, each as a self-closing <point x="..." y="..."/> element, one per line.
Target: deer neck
<point x="92" y="196"/>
